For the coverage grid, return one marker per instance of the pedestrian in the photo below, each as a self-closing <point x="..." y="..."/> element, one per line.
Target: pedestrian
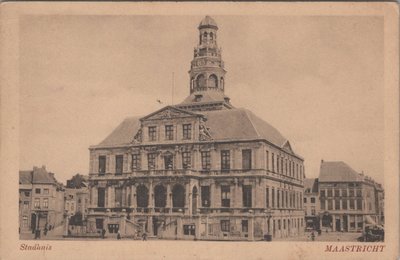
<point x="312" y="236"/>
<point x="118" y="235"/>
<point x="45" y="230"/>
<point x="103" y="232"/>
<point x="144" y="236"/>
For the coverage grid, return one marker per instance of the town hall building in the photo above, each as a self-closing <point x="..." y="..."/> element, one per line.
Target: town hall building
<point x="201" y="169"/>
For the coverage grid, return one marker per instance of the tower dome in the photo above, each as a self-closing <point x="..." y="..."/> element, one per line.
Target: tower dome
<point x="208" y="22"/>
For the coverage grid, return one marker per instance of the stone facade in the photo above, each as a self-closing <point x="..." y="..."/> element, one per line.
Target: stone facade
<point x="197" y="170"/>
<point x="311" y="204"/>
<point x="349" y="200"/>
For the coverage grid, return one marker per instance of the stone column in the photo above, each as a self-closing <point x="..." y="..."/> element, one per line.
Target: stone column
<point x="251" y="228"/>
<point x="150" y="225"/>
<point x="143" y="158"/>
<point x="198" y="224"/>
<point x="188" y="193"/>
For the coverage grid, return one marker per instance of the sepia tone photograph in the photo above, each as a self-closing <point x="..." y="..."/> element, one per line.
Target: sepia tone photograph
<point x="184" y="127"/>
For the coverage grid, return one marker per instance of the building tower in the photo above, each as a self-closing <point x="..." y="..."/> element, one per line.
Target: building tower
<point x="207" y="68"/>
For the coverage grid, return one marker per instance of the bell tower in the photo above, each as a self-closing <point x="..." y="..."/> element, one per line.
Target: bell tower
<point x="207" y="68"/>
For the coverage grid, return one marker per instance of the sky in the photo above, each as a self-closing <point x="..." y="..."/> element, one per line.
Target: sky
<point x="317" y="79"/>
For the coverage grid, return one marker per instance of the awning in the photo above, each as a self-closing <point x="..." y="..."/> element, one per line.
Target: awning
<point x="369" y="220"/>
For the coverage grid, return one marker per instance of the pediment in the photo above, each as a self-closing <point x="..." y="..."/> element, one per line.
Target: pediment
<point x="287" y="147"/>
<point x="169" y="112"/>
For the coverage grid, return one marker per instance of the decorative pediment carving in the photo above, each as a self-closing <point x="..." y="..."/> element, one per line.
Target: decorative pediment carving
<point x="169" y="113"/>
<point x="204" y="132"/>
<point x="138" y="137"/>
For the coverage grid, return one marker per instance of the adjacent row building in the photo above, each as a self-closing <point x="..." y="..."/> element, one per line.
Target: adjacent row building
<point x="201" y="169"/>
<point x="342" y="199"/>
<point x="41" y="200"/>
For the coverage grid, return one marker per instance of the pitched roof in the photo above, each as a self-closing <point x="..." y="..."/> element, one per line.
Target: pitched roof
<point x="25" y="177"/>
<point x="311" y="184"/>
<point x="206" y="97"/>
<point x="241" y="124"/>
<point x="224" y="125"/>
<point x="123" y="134"/>
<point x="338" y="172"/>
<point x="37" y="176"/>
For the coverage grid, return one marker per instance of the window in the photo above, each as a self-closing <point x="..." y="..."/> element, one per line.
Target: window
<point x="359" y="204"/>
<point x="189" y="230"/>
<point x="25" y="221"/>
<point x="313" y="211"/>
<point x="37" y="191"/>
<point x="273" y="197"/>
<point x="225" y="226"/>
<point x="119" y="161"/>
<point x="351" y="204"/>
<point x="118" y="197"/>
<point x="246" y="159"/>
<point x="225" y="196"/>
<point x="281" y="165"/>
<point x="168" y="161"/>
<point x="312" y="200"/>
<point x="135" y="161"/>
<point x="247" y="196"/>
<point x="351" y="192"/>
<point x="267" y="198"/>
<point x="37" y="203"/>
<point x="322" y="192"/>
<point x="205" y="160"/>
<point x="330" y="205"/>
<point x="27" y="193"/>
<point x="169" y="132"/>
<point x="26" y="205"/>
<point x="337" y="204"/>
<point x="273" y="162"/>
<point x="101" y="195"/>
<point x="267" y="160"/>
<point x="305" y="200"/>
<point x="323" y="206"/>
<point x="329" y="192"/>
<point x="151" y="161"/>
<point x="102" y="164"/>
<point x="277" y="163"/>
<point x="187" y="131"/>
<point x="337" y="192"/>
<point x="225" y="160"/>
<point x="205" y="196"/>
<point x="278" y="195"/>
<point x="245" y="226"/>
<point x="344" y="193"/>
<point x="46" y="191"/>
<point x="344" y="204"/>
<point x="152" y="133"/>
<point x="46" y="203"/>
<point x="359" y="193"/>
<point x="186" y="160"/>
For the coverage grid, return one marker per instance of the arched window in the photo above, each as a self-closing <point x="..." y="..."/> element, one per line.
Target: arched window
<point x="191" y="83"/>
<point x="178" y="196"/>
<point x="160" y="196"/>
<point x="222" y="83"/>
<point x="142" y="196"/>
<point x="201" y="81"/>
<point x="213" y="81"/>
<point x="204" y="37"/>
<point x="211" y="36"/>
